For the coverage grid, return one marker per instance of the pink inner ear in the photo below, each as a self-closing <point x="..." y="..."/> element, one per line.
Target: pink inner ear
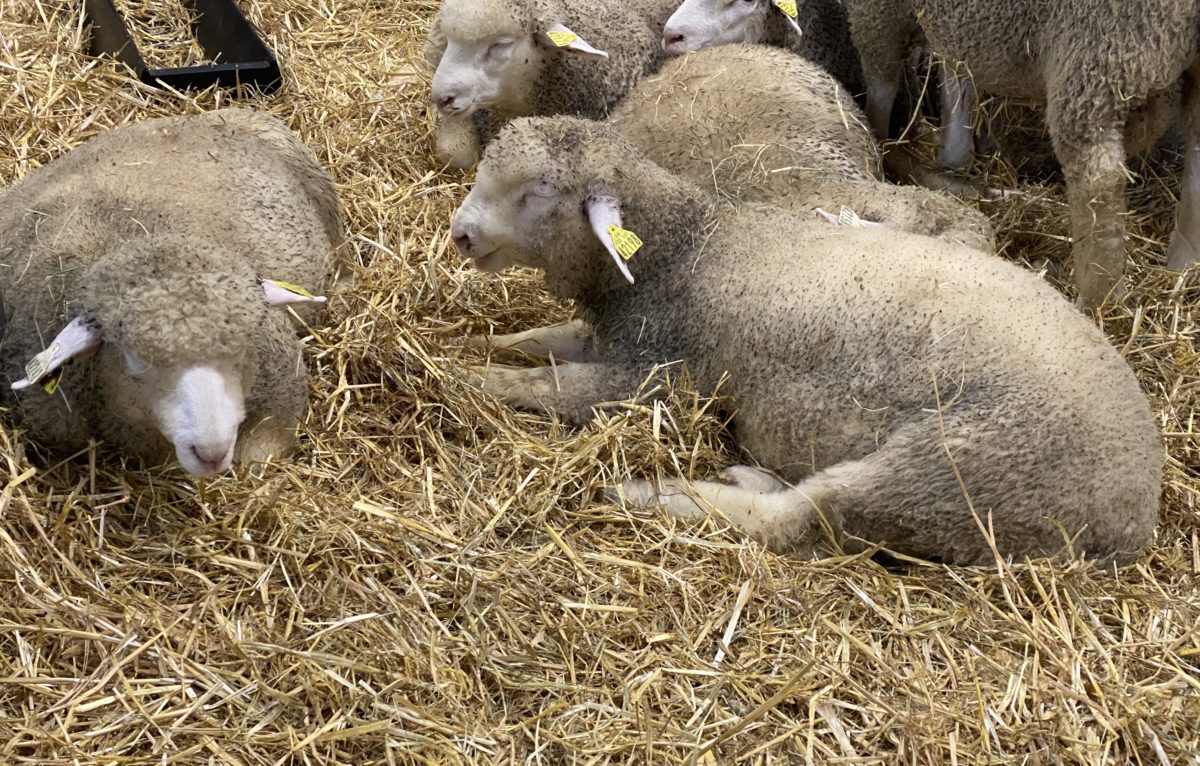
<point x="278" y="293"/>
<point x="578" y="46"/>
<point x="77" y="338"/>
<point x="603" y="212"/>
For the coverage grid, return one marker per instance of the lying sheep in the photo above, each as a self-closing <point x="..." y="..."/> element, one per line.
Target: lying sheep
<point x="914" y="391"/>
<point x="818" y="30"/>
<point x="1107" y="72"/>
<point x="149" y="258"/>
<point x="510" y="58"/>
<point x="760" y="124"/>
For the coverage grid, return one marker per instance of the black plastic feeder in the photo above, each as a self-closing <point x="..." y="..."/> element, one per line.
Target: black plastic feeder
<point x="227" y="38"/>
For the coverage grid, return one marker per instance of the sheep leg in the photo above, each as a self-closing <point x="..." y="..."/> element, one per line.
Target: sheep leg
<point x="1184" y="249"/>
<point x="784" y="520"/>
<point x="1088" y="142"/>
<point x="958" y="119"/>
<point x="566" y="342"/>
<point x="881" y="32"/>
<point x="571" y="390"/>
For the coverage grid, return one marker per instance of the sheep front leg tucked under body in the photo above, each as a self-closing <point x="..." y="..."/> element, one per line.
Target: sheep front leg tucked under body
<point x="1184" y="249"/>
<point x="569" y="390"/>
<point x="566" y="342"/>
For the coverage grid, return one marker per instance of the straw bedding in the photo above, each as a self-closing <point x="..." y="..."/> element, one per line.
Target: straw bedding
<point x="432" y="581"/>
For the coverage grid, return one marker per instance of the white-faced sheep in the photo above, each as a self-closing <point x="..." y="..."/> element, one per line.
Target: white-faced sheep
<point x="1107" y="71"/>
<point x="499" y="59"/>
<point x="817" y="30"/>
<point x="149" y="257"/>
<point x="914" y="391"/>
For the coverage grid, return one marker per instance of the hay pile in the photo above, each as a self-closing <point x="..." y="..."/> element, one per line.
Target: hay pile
<point x="431" y="582"/>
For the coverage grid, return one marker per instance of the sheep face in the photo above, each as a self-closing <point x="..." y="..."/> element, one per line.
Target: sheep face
<point x="149" y="370"/>
<point x="514" y="206"/>
<point x="700" y="24"/>
<point x="544" y="188"/>
<point x="494" y="52"/>
<point x="196" y="406"/>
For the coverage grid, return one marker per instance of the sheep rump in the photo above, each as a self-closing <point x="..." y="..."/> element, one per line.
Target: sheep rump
<point x="756" y="123"/>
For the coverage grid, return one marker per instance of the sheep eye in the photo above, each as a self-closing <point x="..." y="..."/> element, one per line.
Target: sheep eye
<point x="498" y="46"/>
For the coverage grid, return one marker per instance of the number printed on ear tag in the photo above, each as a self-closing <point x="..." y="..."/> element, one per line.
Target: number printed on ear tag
<point x="788" y="7"/>
<point x="40" y="364"/>
<point x="625" y="242"/>
<point x="297" y="289"/>
<point x="563" y="39"/>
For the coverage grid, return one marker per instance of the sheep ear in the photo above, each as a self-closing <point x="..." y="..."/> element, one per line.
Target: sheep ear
<point x="604" y="214"/>
<point x="278" y="293"/>
<point x="562" y="38"/>
<point x="77" y="338"/>
<point x="788" y="8"/>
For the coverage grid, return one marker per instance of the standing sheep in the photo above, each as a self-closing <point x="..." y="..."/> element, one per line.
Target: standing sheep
<point x="818" y="30"/>
<point x="499" y="59"/>
<point x="1107" y="72"/>
<point x="148" y="257"/>
<point x="912" y="389"/>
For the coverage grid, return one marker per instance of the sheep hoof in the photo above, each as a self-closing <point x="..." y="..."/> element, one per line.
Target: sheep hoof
<point x="752" y="479"/>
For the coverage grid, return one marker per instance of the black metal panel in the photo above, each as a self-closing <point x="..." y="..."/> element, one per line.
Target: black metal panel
<point x="224" y="33"/>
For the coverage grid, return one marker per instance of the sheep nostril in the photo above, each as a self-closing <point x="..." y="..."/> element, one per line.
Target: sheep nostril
<point x="462" y="242"/>
<point x="446" y="103"/>
<point x="672" y="40"/>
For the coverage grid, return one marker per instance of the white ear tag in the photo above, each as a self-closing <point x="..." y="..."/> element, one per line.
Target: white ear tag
<point x="789" y="9"/>
<point x="279" y="293"/>
<point x="78" y="337"/>
<point x="39" y="366"/>
<point x="847" y="217"/>
<point x="566" y="40"/>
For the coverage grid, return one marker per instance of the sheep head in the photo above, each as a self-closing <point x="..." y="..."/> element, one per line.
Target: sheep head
<point x="547" y="187"/>
<point x="174" y="353"/>
<point x="492" y="54"/>
<point x="700" y="24"/>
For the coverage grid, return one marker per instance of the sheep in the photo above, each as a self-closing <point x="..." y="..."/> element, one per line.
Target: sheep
<point x="760" y="124"/>
<point x="910" y="391"/>
<point x="498" y="59"/>
<point x="149" y="258"/>
<point x="1107" y="72"/>
<point x="818" y="30"/>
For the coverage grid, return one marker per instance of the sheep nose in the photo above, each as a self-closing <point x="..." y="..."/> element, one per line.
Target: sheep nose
<point x="212" y="455"/>
<point x="674" y="42"/>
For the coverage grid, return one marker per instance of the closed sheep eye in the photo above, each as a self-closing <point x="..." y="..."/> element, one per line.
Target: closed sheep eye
<point x="499" y="46"/>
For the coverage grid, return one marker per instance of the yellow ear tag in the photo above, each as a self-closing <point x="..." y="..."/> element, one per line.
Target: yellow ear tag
<point x="297" y="289"/>
<point x="625" y="242"/>
<point x="788" y="7"/>
<point x="40" y="364"/>
<point x="563" y="39"/>
<point x="50" y="384"/>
